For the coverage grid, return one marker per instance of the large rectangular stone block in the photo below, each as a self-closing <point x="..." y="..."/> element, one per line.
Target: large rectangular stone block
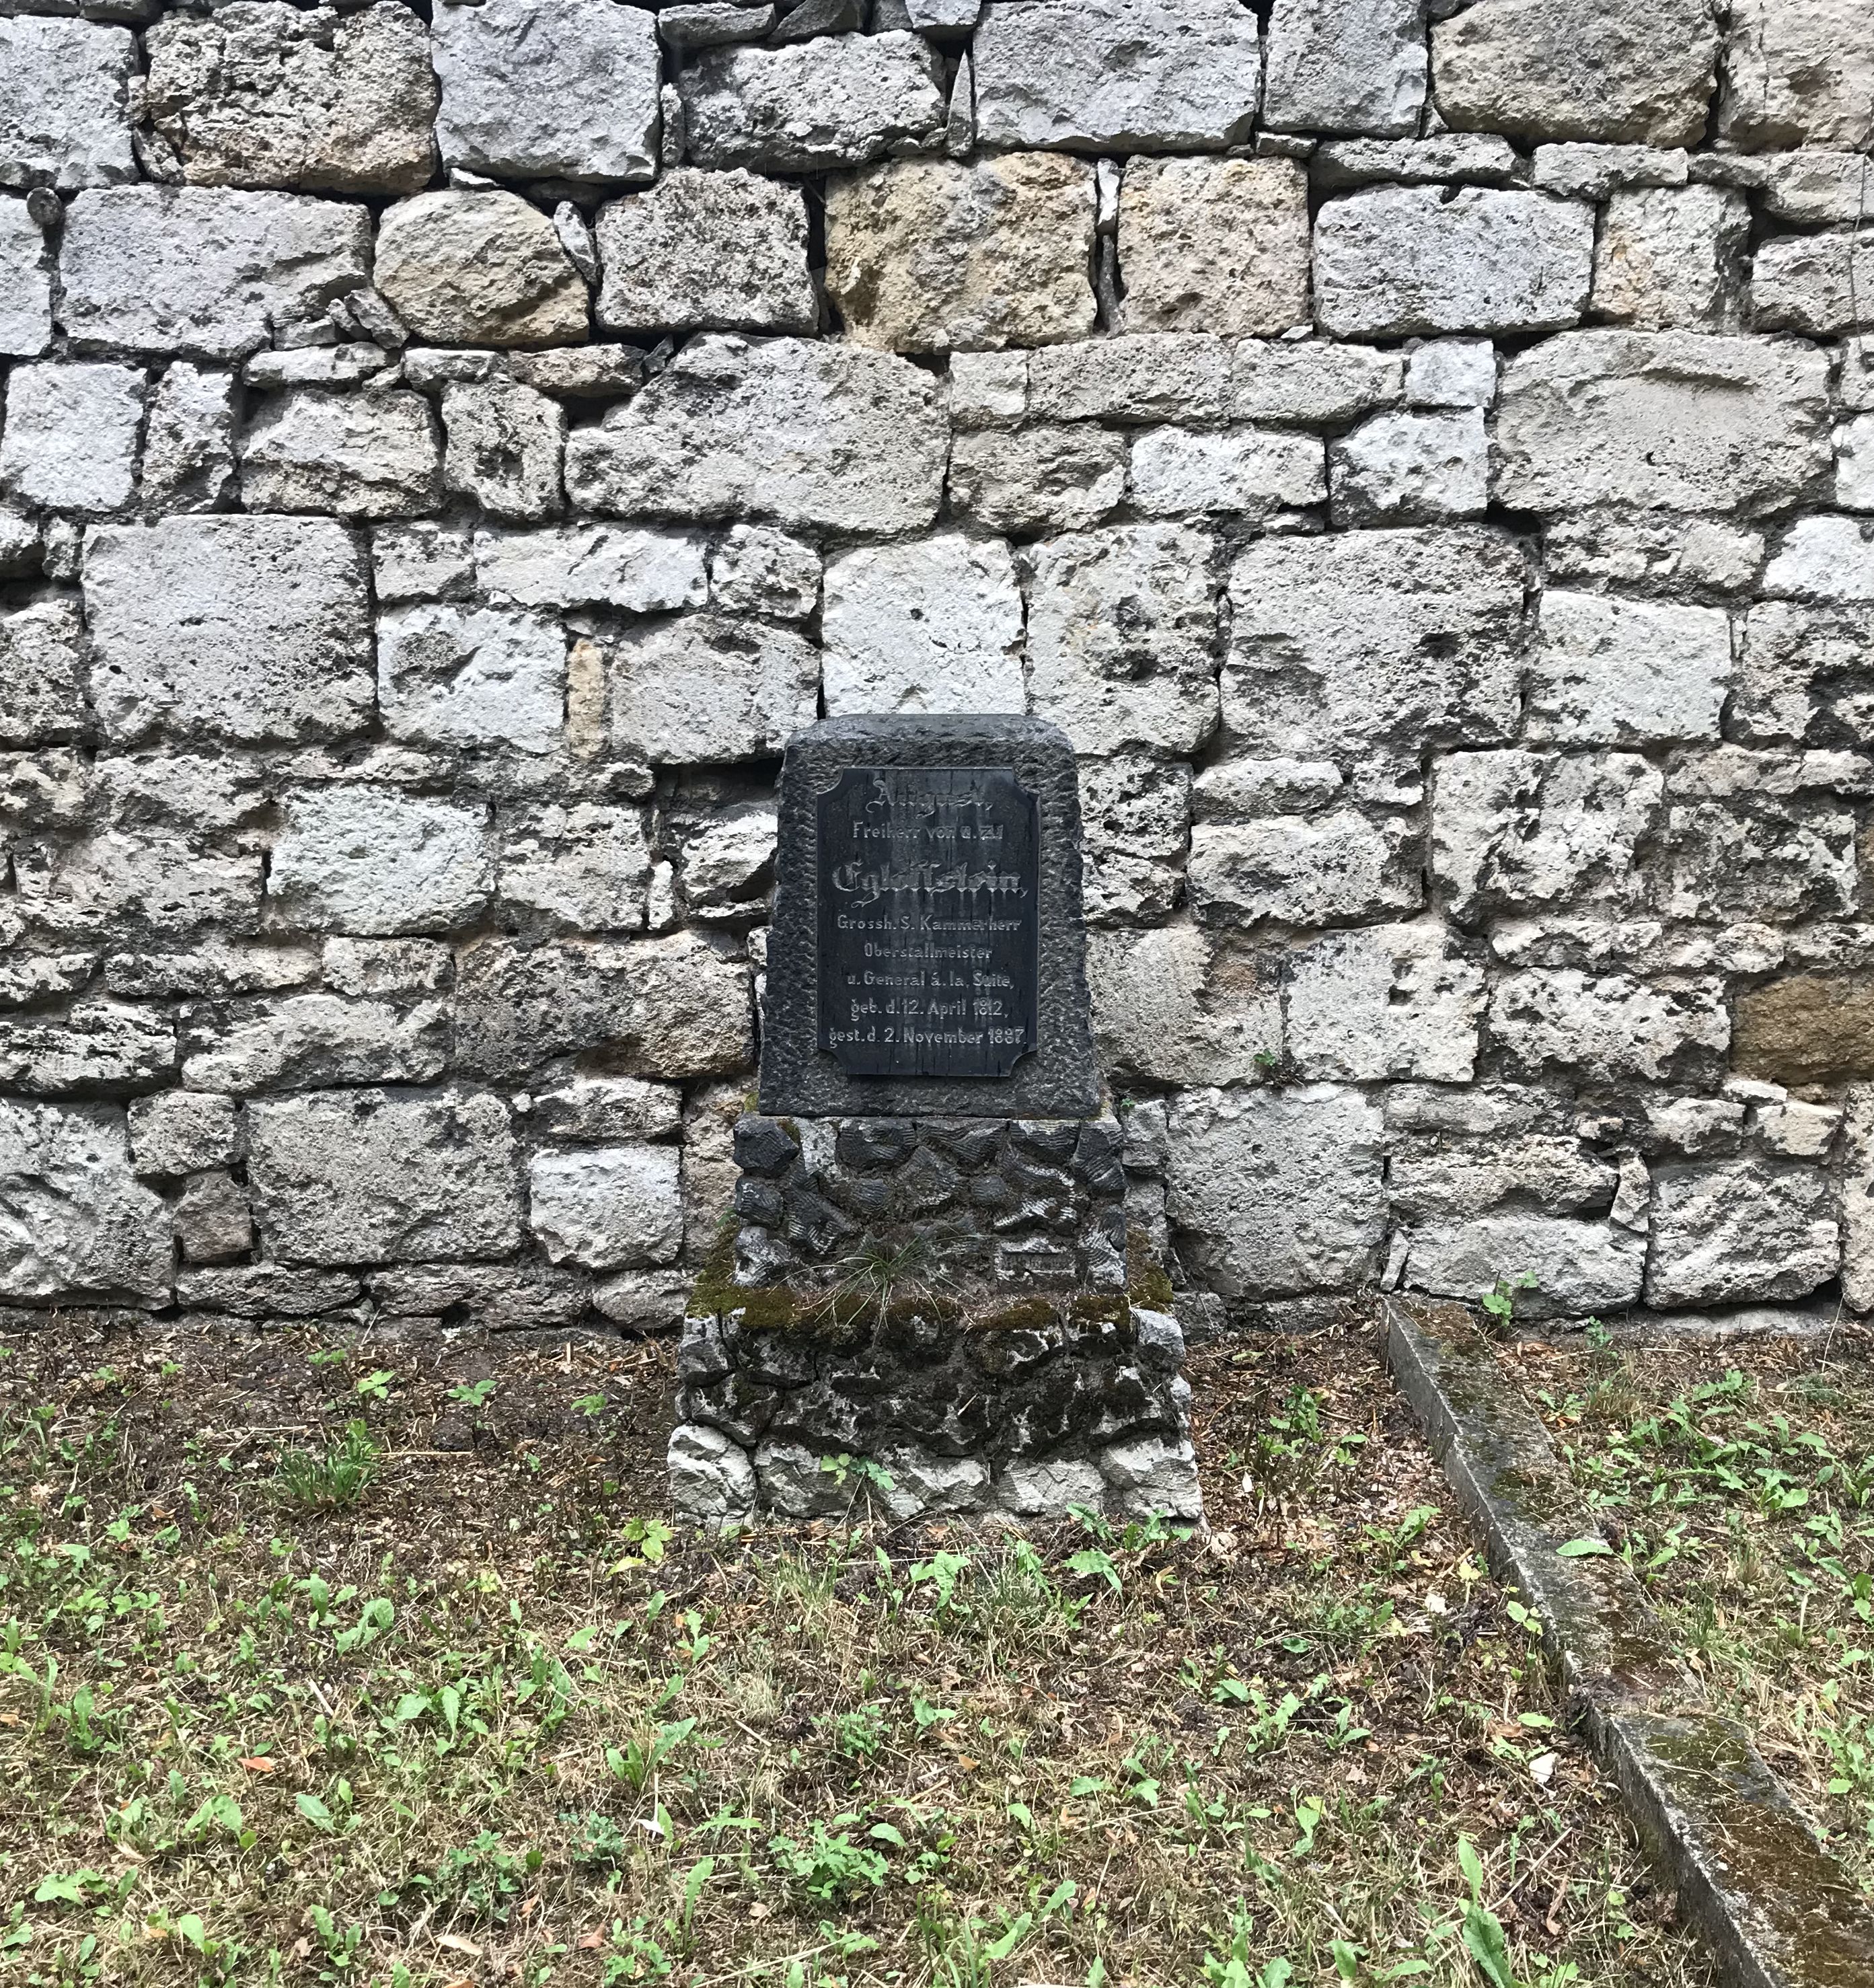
<point x="363" y="859"/>
<point x="721" y="251"/>
<point x="1613" y="672"/>
<point x="708" y="687"/>
<point x="1356" y="66"/>
<point x="1218" y="246"/>
<point x="74" y="1222"/>
<point x="26" y="283"/>
<point x="1799" y="73"/>
<point x="65" y="103"/>
<point x="42" y="672"/>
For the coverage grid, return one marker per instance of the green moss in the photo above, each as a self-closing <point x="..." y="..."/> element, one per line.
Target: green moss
<point x="1147" y="1283"/>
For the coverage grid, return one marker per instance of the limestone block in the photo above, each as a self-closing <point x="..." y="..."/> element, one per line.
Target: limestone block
<point x="201" y="270"/>
<point x="1429" y="1175"/>
<point x="1274" y="1193"/>
<point x="573" y="565"/>
<point x="255" y="629"/>
<point x="585" y="865"/>
<point x="1762" y="860"/>
<point x="370" y="860"/>
<point x="1609" y="1025"/>
<point x="1386" y="1001"/>
<point x="793" y="1486"/>
<point x="1217" y="245"/>
<point x="505" y="445"/>
<point x="538" y="89"/>
<point x="605" y="1110"/>
<point x="1336" y="67"/>
<point x="1824" y="559"/>
<point x="1741" y="1231"/>
<point x="421" y="562"/>
<point x="1412" y="469"/>
<point x="70" y="440"/>
<point x="923" y="255"/>
<point x="25" y="284"/>
<point x="1665" y="420"/>
<point x="1577" y="1268"/>
<point x="1246" y="472"/>
<point x="1652" y="549"/>
<point x="65" y="93"/>
<point x="1248" y="789"/>
<point x="179" y="1132"/>
<point x="1854" y="464"/>
<point x="1807" y="1029"/>
<point x="213" y="1225"/>
<point x="1672" y="257"/>
<point x="1176" y="1004"/>
<point x="1049" y="1487"/>
<point x="719" y="250"/>
<point x="262" y="94"/>
<point x="1814" y="189"/>
<point x="804" y="433"/>
<point x="1635" y="72"/>
<point x="1154" y="1476"/>
<point x="1141" y="376"/>
<point x="758" y="571"/>
<point x="1797" y="72"/>
<point x="610" y="1207"/>
<point x="166" y="880"/>
<point x="1394" y="260"/>
<point x="1135" y="814"/>
<point x="309" y="1041"/>
<point x="1313" y="383"/>
<point x="930" y="625"/>
<point x="1452" y="373"/>
<point x="1592" y="172"/>
<point x="1796" y="1130"/>
<point x="452" y="674"/>
<point x="1121" y="625"/>
<point x="707" y="686"/>
<point x="366" y="1176"/>
<point x="1611" y="672"/>
<point x="1300" y="869"/>
<point x="712" y="1480"/>
<point x="75" y="1222"/>
<point x="1040" y="479"/>
<point x="835" y="100"/>
<point x="923" y="1484"/>
<point x="988" y="389"/>
<point x="1517" y="830"/>
<point x="1126" y="76"/>
<point x="1804" y="673"/>
<point x="1362" y="639"/>
<point x="189" y="440"/>
<point x="1818" y="284"/>
<point x="358" y="455"/>
<point x="100" y="1045"/>
<point x="728" y="865"/>
<point x="1435" y="160"/>
<point x="479" y="268"/>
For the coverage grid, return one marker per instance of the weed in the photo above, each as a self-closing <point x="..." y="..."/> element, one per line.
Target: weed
<point x="330" y="1479"/>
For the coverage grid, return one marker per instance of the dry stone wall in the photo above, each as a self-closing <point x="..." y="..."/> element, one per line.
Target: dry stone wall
<point x="1426" y="466"/>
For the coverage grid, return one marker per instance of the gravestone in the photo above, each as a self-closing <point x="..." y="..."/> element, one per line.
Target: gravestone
<point x="932" y="1299"/>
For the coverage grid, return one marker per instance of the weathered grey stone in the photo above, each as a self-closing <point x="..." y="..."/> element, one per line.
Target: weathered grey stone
<point x="1733" y="855"/>
<point x="1043" y="478"/>
<point x="1248" y="789"/>
<point x="366" y="1176"/>
<point x="1272" y="1193"/>
<point x="262" y="94"/>
<point x="1697" y="1127"/>
<point x="25" y="284"/>
<point x="804" y="433"/>
<point x="1128" y="75"/>
<point x="607" y="1109"/>
<point x="1609" y="1025"/>
<point x="1854" y="464"/>
<point x="1797" y="1130"/>
<point x="1443" y="156"/>
<point x="709" y="24"/>
<point x="1592" y="172"/>
<point x="1161" y="377"/>
<point x="1816" y="189"/>
<point x="932" y="625"/>
<point x="1740" y="1230"/>
<point x="1386" y="1002"/>
<point x="1803" y="673"/>
<point x="1636" y="72"/>
<point x="309" y="1041"/>
<point x="162" y="880"/>
<point x="75" y="1222"/>
<point x="758" y="571"/>
<point x="793" y="1485"/>
<point x="1245" y="472"/>
<point x="1154" y="1476"/>
<point x="189" y="440"/>
<point x="504" y="446"/>
<point x="723" y="250"/>
<point x="580" y="372"/>
<point x="180" y="1132"/>
<point x="479" y="268"/>
<point x="385" y="965"/>
<point x="1136" y="815"/>
<point x="1412" y="469"/>
<point x="1452" y="373"/>
<point x="1398" y="260"/>
<point x="70" y="441"/>
<point x="1300" y="869"/>
<point x="372" y="860"/>
<point x="1824" y="559"/>
<point x="585" y="866"/>
<point x="836" y="100"/>
<point x="988" y="389"/>
<point x="1797" y="72"/>
<point x="572" y="566"/>
<point x="1217" y="245"/>
<point x="450" y="674"/>
<point x="926" y="255"/>
<point x="611" y="1208"/>
<point x="357" y="455"/>
<point x="318" y="366"/>
<point x="1176" y="1004"/>
<point x="1312" y="384"/>
<point x="1575" y="1268"/>
<point x="1654" y="549"/>
<point x="726" y="866"/>
<point x="1671" y="258"/>
<point x="1374" y="638"/>
<point x="1857" y="1201"/>
<point x="534" y="88"/>
<point x="1818" y="284"/>
<point x="1120" y="627"/>
<point x="1335" y="67"/>
<point x="704" y="687"/>
<point x="1050" y="1487"/>
<point x="925" y="1485"/>
<point x="65" y="91"/>
<point x="98" y="1045"/>
<point x="423" y="562"/>
<point x="202" y="271"/>
<point x="255" y="629"/>
<point x="1670" y="420"/>
<point x="712" y="1480"/>
<point x="1613" y="672"/>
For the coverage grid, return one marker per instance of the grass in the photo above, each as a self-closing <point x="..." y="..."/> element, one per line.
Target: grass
<point x="1739" y="1484"/>
<point x="445" y="1701"/>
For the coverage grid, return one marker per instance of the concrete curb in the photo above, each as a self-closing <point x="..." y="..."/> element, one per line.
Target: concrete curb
<point x="1777" y="1911"/>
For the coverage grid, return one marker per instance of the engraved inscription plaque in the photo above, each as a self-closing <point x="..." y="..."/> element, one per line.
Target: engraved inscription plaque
<point x="929" y="921"/>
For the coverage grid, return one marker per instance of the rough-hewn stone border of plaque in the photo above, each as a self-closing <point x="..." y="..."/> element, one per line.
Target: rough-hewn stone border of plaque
<point x="1777" y="1911"/>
